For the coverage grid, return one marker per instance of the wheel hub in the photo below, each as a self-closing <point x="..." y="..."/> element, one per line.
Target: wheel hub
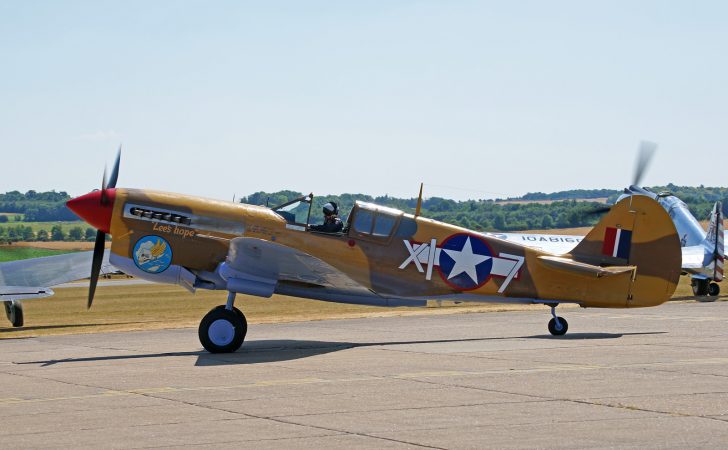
<point x="221" y="332"/>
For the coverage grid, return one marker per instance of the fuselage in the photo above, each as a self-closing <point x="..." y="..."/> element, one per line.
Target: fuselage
<point x="178" y="239"/>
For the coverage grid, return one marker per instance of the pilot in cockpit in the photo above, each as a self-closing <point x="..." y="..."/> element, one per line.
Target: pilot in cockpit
<point x="332" y="222"/>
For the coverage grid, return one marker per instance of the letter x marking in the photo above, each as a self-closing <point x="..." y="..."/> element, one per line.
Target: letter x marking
<point x="414" y="255"/>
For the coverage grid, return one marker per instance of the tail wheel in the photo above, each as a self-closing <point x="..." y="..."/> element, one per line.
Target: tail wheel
<point x="559" y="329"/>
<point x="714" y="289"/>
<point x="222" y="330"/>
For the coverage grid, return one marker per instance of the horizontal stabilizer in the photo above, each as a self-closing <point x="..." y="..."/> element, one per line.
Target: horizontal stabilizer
<point x="569" y="265"/>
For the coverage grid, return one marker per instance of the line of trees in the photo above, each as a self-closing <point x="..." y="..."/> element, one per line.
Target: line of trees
<point x="574" y="194"/>
<point x="38" y="206"/>
<point x="25" y="233"/>
<point x="488" y="215"/>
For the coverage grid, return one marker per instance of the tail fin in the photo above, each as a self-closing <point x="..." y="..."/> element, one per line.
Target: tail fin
<point x="637" y="232"/>
<point x="714" y="241"/>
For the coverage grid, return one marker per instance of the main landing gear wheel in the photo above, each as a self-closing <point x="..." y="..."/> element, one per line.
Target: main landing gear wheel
<point x="714" y="289"/>
<point x="700" y="287"/>
<point x="223" y="330"/>
<point x="14" y="311"/>
<point x="557" y="325"/>
<point x="560" y="329"/>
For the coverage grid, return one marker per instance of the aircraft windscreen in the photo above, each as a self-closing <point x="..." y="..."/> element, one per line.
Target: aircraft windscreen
<point x="295" y="212"/>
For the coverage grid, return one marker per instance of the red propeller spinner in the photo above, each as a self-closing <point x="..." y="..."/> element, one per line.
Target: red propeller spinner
<point x="93" y="209"/>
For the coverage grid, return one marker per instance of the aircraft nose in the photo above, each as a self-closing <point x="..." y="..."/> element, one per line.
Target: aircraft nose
<point x="93" y="209"/>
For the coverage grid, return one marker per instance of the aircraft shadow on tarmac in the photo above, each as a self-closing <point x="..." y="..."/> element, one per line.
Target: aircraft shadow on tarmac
<point x="267" y="351"/>
<point x="54" y="327"/>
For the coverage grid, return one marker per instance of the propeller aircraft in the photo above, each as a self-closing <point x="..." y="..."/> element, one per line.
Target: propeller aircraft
<point x="383" y="256"/>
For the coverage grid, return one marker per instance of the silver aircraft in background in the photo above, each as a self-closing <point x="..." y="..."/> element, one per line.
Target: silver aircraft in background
<point x="30" y="279"/>
<point x="703" y="254"/>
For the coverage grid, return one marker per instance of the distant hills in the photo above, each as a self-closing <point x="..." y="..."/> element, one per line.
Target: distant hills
<point x="574" y="194"/>
<point x="693" y="196"/>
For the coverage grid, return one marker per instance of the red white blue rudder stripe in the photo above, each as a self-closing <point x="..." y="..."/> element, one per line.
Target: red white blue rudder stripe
<point x="719" y="243"/>
<point x="617" y="242"/>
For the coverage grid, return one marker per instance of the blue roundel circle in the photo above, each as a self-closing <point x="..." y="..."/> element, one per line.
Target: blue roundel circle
<point x="465" y="261"/>
<point x="152" y="254"/>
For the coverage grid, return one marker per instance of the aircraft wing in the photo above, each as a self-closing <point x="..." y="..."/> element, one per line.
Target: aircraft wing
<point x="47" y="271"/>
<point x="13" y="293"/>
<point x="291" y="272"/>
<point x="693" y="257"/>
<point x="557" y="244"/>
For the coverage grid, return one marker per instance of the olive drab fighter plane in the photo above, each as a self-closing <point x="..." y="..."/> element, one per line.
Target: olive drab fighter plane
<point x="382" y="257"/>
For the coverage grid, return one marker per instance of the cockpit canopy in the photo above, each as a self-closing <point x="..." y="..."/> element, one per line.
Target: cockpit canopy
<point x="366" y="220"/>
<point x="373" y="220"/>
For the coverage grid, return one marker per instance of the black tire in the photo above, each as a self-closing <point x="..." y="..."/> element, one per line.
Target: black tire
<point x="700" y="287"/>
<point x="222" y="331"/>
<point x="714" y="289"/>
<point x="560" y="332"/>
<point x="14" y="311"/>
<point x="237" y="311"/>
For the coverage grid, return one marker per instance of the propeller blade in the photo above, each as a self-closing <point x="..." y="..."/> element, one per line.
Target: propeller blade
<point x="600" y="210"/>
<point x="644" y="155"/>
<point x="98" y="258"/>
<point x="115" y="170"/>
<point x="103" y="188"/>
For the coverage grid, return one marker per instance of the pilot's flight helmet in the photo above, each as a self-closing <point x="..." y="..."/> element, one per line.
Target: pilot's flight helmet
<point x="331" y="208"/>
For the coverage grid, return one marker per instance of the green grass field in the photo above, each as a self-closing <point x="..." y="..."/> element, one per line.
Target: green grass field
<point x="10" y="253"/>
<point x="47" y="225"/>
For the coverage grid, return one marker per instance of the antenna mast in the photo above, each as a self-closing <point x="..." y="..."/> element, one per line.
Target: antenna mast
<point x="419" y="201"/>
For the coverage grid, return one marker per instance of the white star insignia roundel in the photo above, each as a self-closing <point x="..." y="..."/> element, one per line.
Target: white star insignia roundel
<point x="465" y="261"/>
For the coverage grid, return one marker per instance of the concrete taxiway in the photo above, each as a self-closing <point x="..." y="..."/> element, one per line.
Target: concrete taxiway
<point x="652" y="378"/>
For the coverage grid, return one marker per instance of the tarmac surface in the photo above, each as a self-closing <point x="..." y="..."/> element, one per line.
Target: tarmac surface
<point x="651" y="378"/>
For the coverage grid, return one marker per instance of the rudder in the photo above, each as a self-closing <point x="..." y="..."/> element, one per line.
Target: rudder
<point x="637" y="232"/>
<point x="714" y="241"/>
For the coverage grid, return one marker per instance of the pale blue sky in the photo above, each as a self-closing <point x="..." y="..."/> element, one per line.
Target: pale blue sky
<point x="497" y="98"/>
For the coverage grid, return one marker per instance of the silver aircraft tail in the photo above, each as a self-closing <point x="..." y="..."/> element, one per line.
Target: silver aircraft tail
<point x="714" y="241"/>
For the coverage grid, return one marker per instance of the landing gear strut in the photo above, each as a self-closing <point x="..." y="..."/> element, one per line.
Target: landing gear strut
<point x="14" y="311"/>
<point x="700" y="287"/>
<point x="223" y="329"/>
<point x="558" y="325"/>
